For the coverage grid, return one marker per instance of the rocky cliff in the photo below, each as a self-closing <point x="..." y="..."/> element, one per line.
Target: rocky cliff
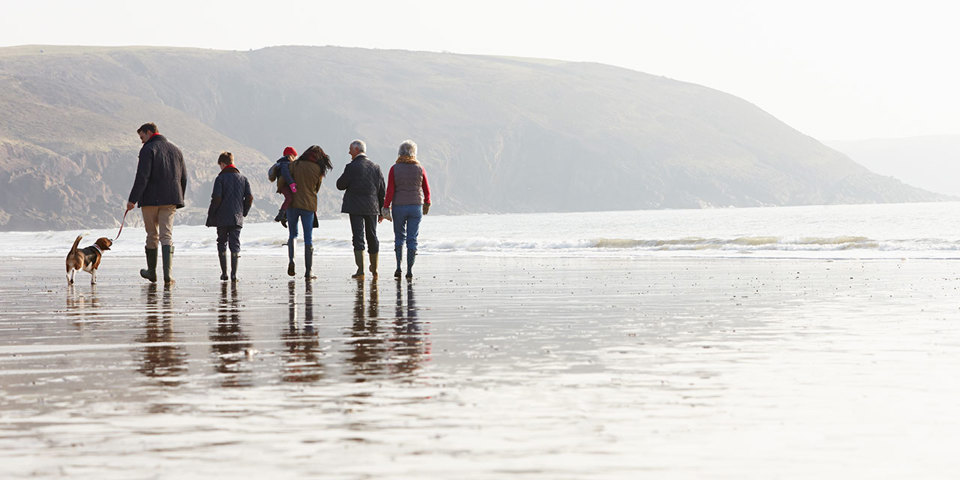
<point x="496" y="134"/>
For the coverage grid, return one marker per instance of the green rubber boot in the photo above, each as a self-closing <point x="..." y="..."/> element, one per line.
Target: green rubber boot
<point x="150" y="273"/>
<point x="167" y="253"/>
<point x="374" y="257"/>
<point x="358" y="258"/>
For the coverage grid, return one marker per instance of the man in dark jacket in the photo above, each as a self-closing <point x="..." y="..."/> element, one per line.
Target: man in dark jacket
<point x="364" y="188"/>
<point x="159" y="187"/>
<point x="230" y="202"/>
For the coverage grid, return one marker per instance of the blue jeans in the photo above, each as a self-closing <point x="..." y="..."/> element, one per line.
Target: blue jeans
<point x="406" y="225"/>
<point x="306" y="217"/>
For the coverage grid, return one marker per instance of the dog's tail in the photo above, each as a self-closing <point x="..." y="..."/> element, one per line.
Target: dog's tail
<point x="76" y="242"/>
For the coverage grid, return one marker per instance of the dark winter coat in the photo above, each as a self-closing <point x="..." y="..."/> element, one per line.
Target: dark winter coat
<point x="231" y="199"/>
<point x="280" y="172"/>
<point x="308" y="175"/>
<point x="364" y="188"/>
<point x="161" y="174"/>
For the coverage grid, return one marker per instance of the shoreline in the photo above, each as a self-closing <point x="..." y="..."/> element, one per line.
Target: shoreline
<point x="482" y="367"/>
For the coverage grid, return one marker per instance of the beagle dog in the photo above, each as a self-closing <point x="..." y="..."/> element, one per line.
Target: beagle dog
<point x="87" y="259"/>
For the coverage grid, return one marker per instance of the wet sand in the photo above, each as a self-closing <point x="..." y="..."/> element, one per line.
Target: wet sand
<point x="483" y="367"/>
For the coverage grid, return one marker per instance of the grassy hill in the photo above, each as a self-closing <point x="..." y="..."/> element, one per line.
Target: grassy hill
<point x="496" y="134"/>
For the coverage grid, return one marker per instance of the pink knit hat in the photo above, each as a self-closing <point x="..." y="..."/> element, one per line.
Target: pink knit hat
<point x="289" y="151"/>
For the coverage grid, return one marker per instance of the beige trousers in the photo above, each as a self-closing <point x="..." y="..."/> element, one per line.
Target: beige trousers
<point x="158" y="221"/>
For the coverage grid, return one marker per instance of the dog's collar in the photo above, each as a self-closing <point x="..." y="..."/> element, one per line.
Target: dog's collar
<point x="98" y="248"/>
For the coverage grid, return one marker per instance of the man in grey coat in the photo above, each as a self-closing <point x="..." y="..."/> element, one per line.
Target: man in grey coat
<point x="364" y="190"/>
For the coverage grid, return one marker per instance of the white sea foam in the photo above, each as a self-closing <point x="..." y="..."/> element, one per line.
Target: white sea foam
<point x="845" y="231"/>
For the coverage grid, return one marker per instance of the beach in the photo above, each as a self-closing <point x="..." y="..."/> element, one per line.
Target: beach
<point x="483" y="366"/>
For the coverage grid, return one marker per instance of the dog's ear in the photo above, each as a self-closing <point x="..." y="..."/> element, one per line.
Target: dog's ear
<point x="104" y="243"/>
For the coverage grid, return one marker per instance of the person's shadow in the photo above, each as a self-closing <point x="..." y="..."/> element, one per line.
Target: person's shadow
<point x="410" y="343"/>
<point x="164" y="359"/>
<point x="302" y="356"/>
<point x="228" y="341"/>
<point x="366" y="350"/>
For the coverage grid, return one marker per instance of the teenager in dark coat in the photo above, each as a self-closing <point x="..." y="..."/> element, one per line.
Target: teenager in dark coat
<point x="364" y="188"/>
<point x="230" y="202"/>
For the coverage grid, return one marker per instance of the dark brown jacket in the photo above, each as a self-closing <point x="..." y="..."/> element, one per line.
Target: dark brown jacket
<point x="307" y="174"/>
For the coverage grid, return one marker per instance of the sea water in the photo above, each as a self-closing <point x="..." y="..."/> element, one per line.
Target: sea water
<point x="914" y="230"/>
<point x="798" y="342"/>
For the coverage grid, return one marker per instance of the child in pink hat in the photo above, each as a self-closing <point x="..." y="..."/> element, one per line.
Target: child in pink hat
<point x="280" y="172"/>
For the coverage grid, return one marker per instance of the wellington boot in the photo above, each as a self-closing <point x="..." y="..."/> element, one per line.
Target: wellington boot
<point x="358" y="258"/>
<point x="399" y="252"/>
<point x="411" y="257"/>
<point x="223" y="265"/>
<point x="167" y="253"/>
<point x="291" y="268"/>
<point x="308" y="262"/>
<point x="150" y="273"/>
<point x="374" y="257"/>
<point x="234" y="258"/>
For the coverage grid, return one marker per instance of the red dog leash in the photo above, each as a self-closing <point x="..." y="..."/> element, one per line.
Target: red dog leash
<point x="121" y="224"/>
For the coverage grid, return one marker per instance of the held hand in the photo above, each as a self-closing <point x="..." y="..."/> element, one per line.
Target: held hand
<point x="426" y="208"/>
<point x="130" y="206"/>
<point x="380" y="219"/>
<point x="293" y="187"/>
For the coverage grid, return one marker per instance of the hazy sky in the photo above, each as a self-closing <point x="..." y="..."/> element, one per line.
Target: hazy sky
<point x="832" y="69"/>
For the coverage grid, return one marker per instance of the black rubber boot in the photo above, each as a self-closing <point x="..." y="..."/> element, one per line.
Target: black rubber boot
<point x="398" y="273"/>
<point x="308" y="262"/>
<point x="281" y="217"/>
<point x="411" y="257"/>
<point x="374" y="258"/>
<point x="234" y="257"/>
<point x="358" y="258"/>
<point x="150" y="273"/>
<point x="291" y="268"/>
<point x="167" y="253"/>
<point x="223" y="265"/>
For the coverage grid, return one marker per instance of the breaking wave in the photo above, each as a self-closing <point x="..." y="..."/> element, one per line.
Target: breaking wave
<point x="741" y="243"/>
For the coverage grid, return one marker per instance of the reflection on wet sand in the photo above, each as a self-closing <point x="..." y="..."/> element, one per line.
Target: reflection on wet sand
<point x="398" y="351"/>
<point x="409" y="341"/>
<point x="82" y="308"/>
<point x="164" y="359"/>
<point x="542" y="368"/>
<point x="229" y="344"/>
<point x="365" y="349"/>
<point x="302" y="356"/>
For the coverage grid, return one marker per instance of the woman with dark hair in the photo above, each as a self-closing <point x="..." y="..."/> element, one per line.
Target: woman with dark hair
<point x="307" y="171"/>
